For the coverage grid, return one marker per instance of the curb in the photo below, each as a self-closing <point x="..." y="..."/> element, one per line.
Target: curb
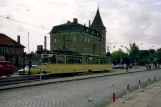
<point x="136" y="92"/>
<point x="37" y="83"/>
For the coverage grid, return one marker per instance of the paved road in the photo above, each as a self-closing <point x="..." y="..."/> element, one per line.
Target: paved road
<point x="70" y="94"/>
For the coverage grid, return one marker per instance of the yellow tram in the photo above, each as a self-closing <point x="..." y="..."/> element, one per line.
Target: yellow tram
<point x="74" y="63"/>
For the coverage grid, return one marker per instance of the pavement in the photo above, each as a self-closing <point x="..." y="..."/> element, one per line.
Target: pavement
<point x="147" y="97"/>
<point x="72" y="93"/>
<point x="95" y="75"/>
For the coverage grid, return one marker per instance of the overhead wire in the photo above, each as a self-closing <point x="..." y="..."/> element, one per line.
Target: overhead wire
<point x="37" y="26"/>
<point x="136" y="40"/>
<point x="21" y="30"/>
<point x="42" y="26"/>
<point x="8" y="18"/>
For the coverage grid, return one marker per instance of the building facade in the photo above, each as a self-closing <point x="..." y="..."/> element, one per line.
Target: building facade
<point x="12" y="51"/>
<point x="75" y="37"/>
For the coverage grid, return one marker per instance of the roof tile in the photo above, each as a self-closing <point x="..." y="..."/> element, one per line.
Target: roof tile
<point x="5" y="40"/>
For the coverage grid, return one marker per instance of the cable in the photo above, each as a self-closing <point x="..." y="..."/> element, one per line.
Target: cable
<point x="37" y="26"/>
<point x="8" y="18"/>
<point x="5" y="27"/>
<point x="137" y="40"/>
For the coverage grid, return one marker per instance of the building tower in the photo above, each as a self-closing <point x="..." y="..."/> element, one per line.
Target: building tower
<point x="97" y="24"/>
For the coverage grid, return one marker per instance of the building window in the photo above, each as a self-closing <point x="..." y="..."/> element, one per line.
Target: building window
<point x="85" y="49"/>
<point x="10" y="50"/>
<point x="82" y="38"/>
<point x="86" y="30"/>
<point x="88" y="39"/>
<point x="21" y="50"/>
<point x="74" y="38"/>
<point x="92" y="32"/>
<point x="54" y="39"/>
<point x="85" y="39"/>
<point x="2" y="50"/>
<point x="74" y="48"/>
<point x="6" y="50"/>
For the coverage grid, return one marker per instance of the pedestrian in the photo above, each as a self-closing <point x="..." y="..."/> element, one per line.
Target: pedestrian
<point x="124" y="65"/>
<point x="135" y="64"/>
<point x="150" y="66"/>
<point x="130" y="65"/>
<point x="126" y="68"/>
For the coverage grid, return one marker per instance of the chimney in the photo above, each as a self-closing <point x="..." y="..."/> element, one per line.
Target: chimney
<point x="18" y="39"/>
<point x="68" y="22"/>
<point x="75" y="20"/>
<point x="89" y="23"/>
<point x="39" y="47"/>
<point x="45" y="43"/>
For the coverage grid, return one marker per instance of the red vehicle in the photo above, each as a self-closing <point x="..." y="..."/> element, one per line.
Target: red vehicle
<point x="6" y="68"/>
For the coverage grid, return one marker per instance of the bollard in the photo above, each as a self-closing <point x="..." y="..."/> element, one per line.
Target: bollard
<point x="139" y="84"/>
<point x="128" y="89"/>
<point x="91" y="101"/>
<point x="114" y="97"/>
<point x="148" y="81"/>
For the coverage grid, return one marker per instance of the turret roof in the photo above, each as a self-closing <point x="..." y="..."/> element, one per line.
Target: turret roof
<point x="97" y="22"/>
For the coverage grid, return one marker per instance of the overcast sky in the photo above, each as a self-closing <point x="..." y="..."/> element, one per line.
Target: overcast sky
<point x="126" y="20"/>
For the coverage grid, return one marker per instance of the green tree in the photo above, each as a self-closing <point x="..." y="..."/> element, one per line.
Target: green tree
<point x="157" y="55"/>
<point x="133" y="51"/>
<point x="119" y="57"/>
<point x="108" y="54"/>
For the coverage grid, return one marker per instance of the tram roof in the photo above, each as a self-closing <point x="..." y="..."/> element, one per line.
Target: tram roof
<point x="61" y="52"/>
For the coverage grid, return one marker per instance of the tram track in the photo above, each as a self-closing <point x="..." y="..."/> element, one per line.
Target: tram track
<point x="21" y="79"/>
<point x="31" y="78"/>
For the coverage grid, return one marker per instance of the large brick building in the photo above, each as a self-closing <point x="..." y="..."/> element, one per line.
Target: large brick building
<point x="12" y="51"/>
<point x="75" y="37"/>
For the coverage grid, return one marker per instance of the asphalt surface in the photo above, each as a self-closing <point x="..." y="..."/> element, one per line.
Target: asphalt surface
<point x="73" y="93"/>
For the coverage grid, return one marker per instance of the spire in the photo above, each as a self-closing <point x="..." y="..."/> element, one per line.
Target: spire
<point x="97" y="22"/>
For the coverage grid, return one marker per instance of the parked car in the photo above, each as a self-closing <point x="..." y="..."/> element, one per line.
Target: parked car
<point x="6" y="68"/>
<point x="35" y="69"/>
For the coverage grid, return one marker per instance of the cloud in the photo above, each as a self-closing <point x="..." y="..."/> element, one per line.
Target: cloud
<point x="126" y="20"/>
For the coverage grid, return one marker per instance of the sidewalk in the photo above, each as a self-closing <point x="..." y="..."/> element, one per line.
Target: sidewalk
<point x="42" y="82"/>
<point x="147" y="97"/>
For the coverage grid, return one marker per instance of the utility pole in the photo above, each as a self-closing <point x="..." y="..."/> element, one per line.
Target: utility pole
<point x="29" y="56"/>
<point x="45" y="43"/>
<point x="28" y="43"/>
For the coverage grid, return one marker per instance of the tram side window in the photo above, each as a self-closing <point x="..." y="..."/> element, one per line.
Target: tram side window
<point x="53" y="59"/>
<point x="74" y="60"/>
<point x="45" y="60"/>
<point x="60" y="59"/>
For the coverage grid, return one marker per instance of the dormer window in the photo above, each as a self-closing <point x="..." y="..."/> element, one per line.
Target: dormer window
<point x="86" y="30"/>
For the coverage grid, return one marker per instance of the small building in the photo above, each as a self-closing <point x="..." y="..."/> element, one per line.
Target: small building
<point x="75" y="37"/>
<point x="11" y="50"/>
